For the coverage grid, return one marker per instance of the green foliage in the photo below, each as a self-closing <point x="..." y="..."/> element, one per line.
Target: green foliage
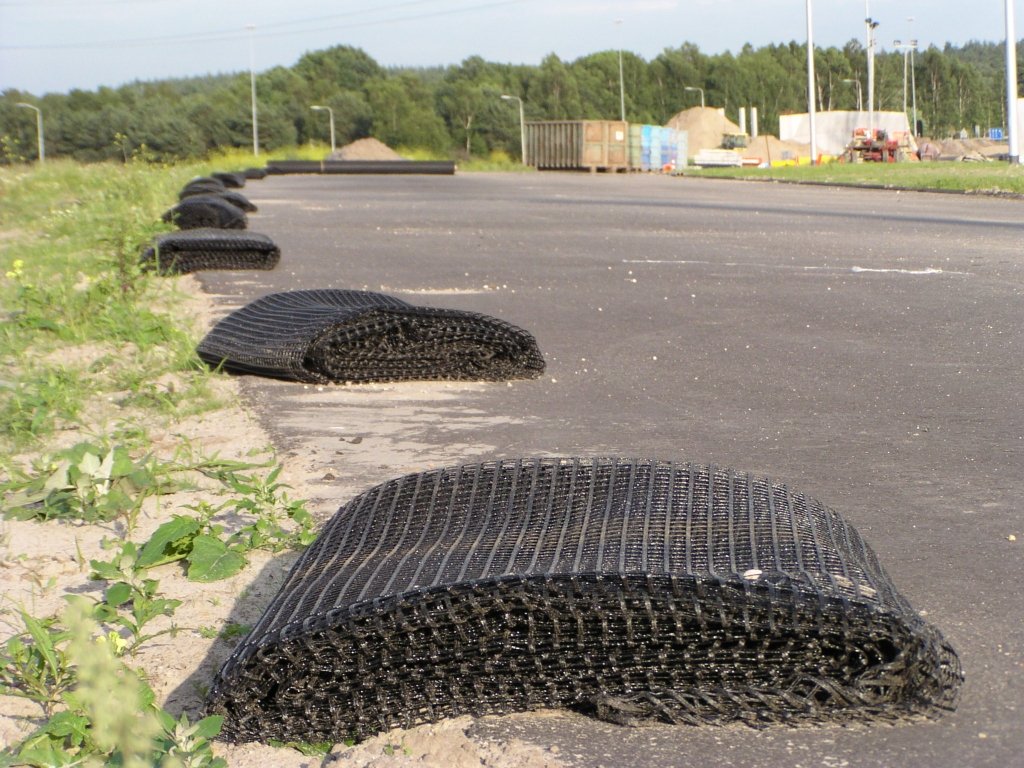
<point x="34" y="663"/>
<point x="431" y="107"/>
<point x="990" y="177"/>
<point x="210" y="553"/>
<point x="101" y="712"/>
<point x="87" y="482"/>
<point x="321" y="749"/>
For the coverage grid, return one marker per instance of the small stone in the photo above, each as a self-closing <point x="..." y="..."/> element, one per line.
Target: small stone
<point x="356" y="440"/>
<point x="1011" y="537"/>
<point x="328" y="478"/>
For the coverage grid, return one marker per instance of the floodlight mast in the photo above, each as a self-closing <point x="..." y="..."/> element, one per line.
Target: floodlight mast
<point x="1011" y="85"/>
<point x="252" y="82"/>
<point x="39" y="128"/>
<point x="694" y="88"/>
<point x="330" y="112"/>
<point x="810" y="85"/>
<point x="860" y="94"/>
<point x="522" y="124"/>
<point x="622" y="82"/>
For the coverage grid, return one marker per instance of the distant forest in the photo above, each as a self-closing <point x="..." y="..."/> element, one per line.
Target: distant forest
<point x="448" y="110"/>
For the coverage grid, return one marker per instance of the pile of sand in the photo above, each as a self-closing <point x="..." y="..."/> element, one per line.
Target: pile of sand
<point x="365" y="149"/>
<point x="769" y="149"/>
<point x="705" y="125"/>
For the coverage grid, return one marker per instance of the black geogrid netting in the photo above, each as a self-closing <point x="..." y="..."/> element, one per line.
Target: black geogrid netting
<point x="198" y="211"/>
<point x="192" y="250"/>
<point x="237" y="199"/>
<point x="637" y="589"/>
<point x="229" y="179"/>
<point x="359" y="336"/>
<point x="202" y="185"/>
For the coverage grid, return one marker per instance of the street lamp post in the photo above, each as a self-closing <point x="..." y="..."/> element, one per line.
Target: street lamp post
<point x="913" y="74"/>
<point x="871" y="26"/>
<point x="860" y="94"/>
<point x="898" y="45"/>
<point x="522" y="124"/>
<point x="1011" y="84"/>
<point x="252" y="82"/>
<point x="622" y="82"/>
<point x="39" y="128"/>
<point x="694" y="88"/>
<point x="810" y="85"/>
<point x="330" y="112"/>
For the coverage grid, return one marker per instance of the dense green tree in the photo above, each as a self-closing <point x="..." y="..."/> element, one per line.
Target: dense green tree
<point x="460" y="106"/>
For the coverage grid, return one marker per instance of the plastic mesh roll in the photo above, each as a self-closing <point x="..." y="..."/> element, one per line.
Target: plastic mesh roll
<point x="177" y="253"/>
<point x="237" y="199"/>
<point x="255" y="173"/>
<point x="359" y="336"/>
<point x="202" y="185"/>
<point x="230" y="180"/>
<point x="200" y="211"/>
<point x="638" y="589"/>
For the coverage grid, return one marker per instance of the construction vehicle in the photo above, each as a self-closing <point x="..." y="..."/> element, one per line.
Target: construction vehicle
<point x="877" y="146"/>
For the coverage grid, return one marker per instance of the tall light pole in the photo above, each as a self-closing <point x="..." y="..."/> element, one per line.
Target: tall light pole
<point x="898" y="45"/>
<point x="810" y="85"/>
<point x="871" y="25"/>
<point x="695" y="88"/>
<point x="522" y="124"/>
<point x="252" y="82"/>
<point x="913" y="74"/>
<point x="622" y="82"/>
<point x="330" y="112"/>
<point x="39" y="129"/>
<point x="860" y="94"/>
<point x="1011" y="84"/>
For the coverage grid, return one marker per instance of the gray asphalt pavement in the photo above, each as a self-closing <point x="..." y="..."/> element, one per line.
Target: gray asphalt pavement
<point x="864" y="346"/>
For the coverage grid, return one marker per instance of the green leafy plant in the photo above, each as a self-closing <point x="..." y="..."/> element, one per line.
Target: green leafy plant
<point x="129" y="601"/>
<point x="320" y="749"/>
<point x="110" y="716"/>
<point x="34" y="663"/>
<point x="87" y="482"/>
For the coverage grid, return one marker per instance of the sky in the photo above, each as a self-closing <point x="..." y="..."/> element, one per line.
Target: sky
<point x="58" y="45"/>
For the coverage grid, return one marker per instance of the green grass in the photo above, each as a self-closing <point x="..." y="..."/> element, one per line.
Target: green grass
<point x="973" y="177"/>
<point x="79" y="319"/>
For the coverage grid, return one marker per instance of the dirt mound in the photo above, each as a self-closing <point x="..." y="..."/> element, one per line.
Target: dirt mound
<point x="365" y="149"/>
<point x="770" y="150"/>
<point x="705" y="125"/>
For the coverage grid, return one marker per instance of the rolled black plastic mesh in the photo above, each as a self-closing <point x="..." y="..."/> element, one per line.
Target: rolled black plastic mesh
<point x="230" y="180"/>
<point x="641" y="589"/>
<point x="255" y="173"/>
<point x="359" y="336"/>
<point x="201" y="211"/>
<point x="177" y="253"/>
<point x="202" y="185"/>
<point x="237" y="199"/>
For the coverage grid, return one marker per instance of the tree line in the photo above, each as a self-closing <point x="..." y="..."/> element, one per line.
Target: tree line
<point x="458" y="109"/>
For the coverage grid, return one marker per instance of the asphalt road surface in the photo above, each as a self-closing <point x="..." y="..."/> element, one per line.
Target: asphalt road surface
<point x="863" y="346"/>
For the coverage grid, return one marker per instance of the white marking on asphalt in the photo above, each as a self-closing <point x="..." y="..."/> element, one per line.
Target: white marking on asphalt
<point x="927" y="271"/>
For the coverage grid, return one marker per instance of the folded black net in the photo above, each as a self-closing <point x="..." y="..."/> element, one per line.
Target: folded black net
<point x="255" y="173"/>
<point x="202" y="185"/>
<point x="199" y="211"/>
<point x="636" y="589"/>
<point x="192" y="250"/>
<point x="237" y="199"/>
<point x="360" y="336"/>
<point x="230" y="180"/>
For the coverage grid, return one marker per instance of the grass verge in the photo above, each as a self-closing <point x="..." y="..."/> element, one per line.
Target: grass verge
<point x="962" y="177"/>
<point x="97" y="357"/>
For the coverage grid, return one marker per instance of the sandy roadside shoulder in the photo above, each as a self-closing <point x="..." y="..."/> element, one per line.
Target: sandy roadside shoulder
<point x="40" y="563"/>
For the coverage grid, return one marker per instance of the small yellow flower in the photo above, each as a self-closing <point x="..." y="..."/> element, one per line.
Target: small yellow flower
<point x="17" y="271"/>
